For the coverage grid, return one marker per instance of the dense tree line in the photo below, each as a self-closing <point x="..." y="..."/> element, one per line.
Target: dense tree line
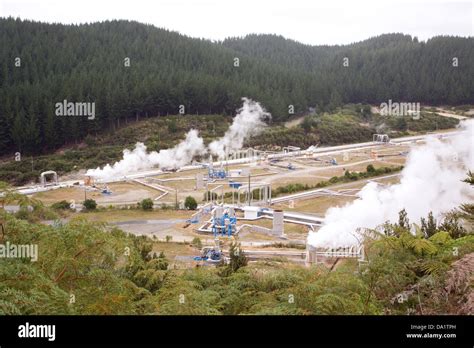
<point x="88" y="63"/>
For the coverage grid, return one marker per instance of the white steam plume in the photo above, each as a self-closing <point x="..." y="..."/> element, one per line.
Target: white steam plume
<point x="249" y="121"/>
<point x="430" y="181"/>
<point x="139" y="159"/>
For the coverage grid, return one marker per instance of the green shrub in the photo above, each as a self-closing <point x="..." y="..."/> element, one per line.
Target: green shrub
<point x="334" y="180"/>
<point x="90" y="204"/>
<point x="146" y="204"/>
<point x="190" y="203"/>
<point x="61" y="205"/>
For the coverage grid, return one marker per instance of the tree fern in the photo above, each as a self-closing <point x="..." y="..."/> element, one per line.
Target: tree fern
<point x="422" y="246"/>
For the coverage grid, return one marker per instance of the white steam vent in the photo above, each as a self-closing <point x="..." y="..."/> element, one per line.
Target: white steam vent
<point x="139" y="159"/>
<point x="248" y="122"/>
<point x="430" y="181"/>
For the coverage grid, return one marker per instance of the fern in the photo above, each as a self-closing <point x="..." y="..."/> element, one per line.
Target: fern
<point x="422" y="246"/>
<point x="434" y="267"/>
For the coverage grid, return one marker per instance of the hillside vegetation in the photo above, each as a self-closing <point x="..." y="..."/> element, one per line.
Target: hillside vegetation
<point x="87" y="63"/>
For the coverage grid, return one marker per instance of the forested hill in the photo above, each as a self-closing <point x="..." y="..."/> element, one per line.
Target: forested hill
<point x="391" y="66"/>
<point x="81" y="63"/>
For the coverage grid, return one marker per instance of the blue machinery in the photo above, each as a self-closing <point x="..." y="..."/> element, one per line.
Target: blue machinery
<point x="224" y="225"/>
<point x="106" y="191"/>
<point x="234" y="185"/>
<point x="216" y="173"/>
<point x="212" y="255"/>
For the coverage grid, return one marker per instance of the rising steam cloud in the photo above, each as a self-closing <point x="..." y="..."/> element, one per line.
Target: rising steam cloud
<point x="430" y="181"/>
<point x="138" y="159"/>
<point x="248" y="122"/>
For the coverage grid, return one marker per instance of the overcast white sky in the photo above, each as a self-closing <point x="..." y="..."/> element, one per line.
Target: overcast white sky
<point x="307" y="21"/>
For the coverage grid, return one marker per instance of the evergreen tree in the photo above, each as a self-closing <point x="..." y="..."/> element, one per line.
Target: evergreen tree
<point x="32" y="132"/>
<point x="18" y="134"/>
<point x="403" y="221"/>
<point x="429" y="227"/>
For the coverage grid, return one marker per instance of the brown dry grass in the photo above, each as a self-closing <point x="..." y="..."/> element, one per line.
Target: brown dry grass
<point x="316" y="205"/>
<point x="122" y="192"/>
<point x="134" y="214"/>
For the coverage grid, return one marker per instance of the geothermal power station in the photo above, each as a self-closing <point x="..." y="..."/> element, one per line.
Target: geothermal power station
<point x="235" y="190"/>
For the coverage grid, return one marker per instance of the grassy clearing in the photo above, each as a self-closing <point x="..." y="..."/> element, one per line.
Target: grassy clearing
<point x="180" y="184"/>
<point x="289" y="227"/>
<point x="134" y="214"/>
<point x="126" y="192"/>
<point x="316" y="205"/>
<point x="349" y="176"/>
<point x="320" y="205"/>
<point x="53" y="196"/>
<point x="171" y="249"/>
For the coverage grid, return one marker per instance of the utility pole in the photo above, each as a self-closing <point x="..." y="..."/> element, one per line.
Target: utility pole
<point x="176" y="199"/>
<point x="249" y="189"/>
<point x="227" y="162"/>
